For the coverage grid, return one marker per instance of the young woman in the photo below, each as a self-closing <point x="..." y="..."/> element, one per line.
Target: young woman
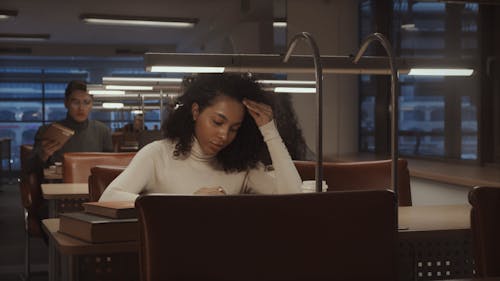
<point x="214" y="137"/>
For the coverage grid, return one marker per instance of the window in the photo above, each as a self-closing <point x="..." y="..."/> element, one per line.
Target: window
<point x="438" y="115"/>
<point x="34" y="95"/>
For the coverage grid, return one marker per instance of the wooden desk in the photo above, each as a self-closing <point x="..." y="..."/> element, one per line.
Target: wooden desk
<point x="62" y="197"/>
<point x="65" y="197"/>
<point x="437" y="243"/>
<point x="434" y="218"/>
<point x="86" y="261"/>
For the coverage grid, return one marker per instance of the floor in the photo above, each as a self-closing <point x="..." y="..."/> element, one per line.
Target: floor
<point x="12" y="237"/>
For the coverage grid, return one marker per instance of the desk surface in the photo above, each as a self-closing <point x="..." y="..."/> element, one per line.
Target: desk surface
<point x="433" y="218"/>
<point x="418" y="219"/>
<point x="71" y="246"/>
<point x="65" y="190"/>
<point x="446" y="172"/>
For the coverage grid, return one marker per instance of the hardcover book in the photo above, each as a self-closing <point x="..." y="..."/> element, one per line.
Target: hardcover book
<point x="116" y="210"/>
<point x="57" y="132"/>
<point x="96" y="229"/>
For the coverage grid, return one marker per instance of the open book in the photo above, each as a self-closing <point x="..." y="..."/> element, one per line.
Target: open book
<point x="58" y="133"/>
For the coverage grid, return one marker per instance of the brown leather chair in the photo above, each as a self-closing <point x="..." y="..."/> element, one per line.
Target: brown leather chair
<point x="100" y="177"/>
<point x="34" y="209"/>
<point x="360" y="175"/>
<point x="485" y="224"/>
<point x="349" y="235"/>
<point x="76" y="165"/>
<point x="117" y="140"/>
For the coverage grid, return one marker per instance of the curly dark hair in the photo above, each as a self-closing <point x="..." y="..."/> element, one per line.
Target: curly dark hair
<point x="243" y="152"/>
<point x="288" y="127"/>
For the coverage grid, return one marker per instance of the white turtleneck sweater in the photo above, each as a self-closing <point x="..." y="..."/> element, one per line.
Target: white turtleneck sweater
<point x="154" y="169"/>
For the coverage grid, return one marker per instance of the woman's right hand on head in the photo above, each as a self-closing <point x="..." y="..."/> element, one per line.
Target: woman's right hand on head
<point x="49" y="147"/>
<point x="210" y="191"/>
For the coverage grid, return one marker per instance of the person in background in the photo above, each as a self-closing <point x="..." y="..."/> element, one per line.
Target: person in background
<point x="90" y="135"/>
<point x="213" y="140"/>
<point x="137" y="125"/>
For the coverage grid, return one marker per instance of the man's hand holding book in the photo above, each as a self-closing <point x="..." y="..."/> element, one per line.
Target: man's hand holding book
<point x="54" y="138"/>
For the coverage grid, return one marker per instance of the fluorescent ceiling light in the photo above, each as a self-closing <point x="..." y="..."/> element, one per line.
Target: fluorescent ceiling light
<point x="141" y="79"/>
<point x="112" y="105"/>
<point x="286" y="82"/>
<point x="273" y="63"/>
<point x="136" y="111"/>
<point x="441" y="71"/>
<point x="106" y="92"/>
<point x="279" y="24"/>
<point x="409" y="27"/>
<point x="185" y="69"/>
<point x="129" y="87"/>
<point x="7" y="14"/>
<point x="294" y="90"/>
<point x="138" y="21"/>
<point x="23" y="37"/>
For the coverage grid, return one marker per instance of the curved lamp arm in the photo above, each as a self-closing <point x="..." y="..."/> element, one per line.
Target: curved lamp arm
<point x="319" y="100"/>
<point x="394" y="103"/>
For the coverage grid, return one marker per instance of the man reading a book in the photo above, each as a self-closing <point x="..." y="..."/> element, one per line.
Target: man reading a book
<point x="84" y="135"/>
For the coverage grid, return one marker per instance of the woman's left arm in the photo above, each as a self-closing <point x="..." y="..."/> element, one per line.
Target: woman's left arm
<point x="286" y="179"/>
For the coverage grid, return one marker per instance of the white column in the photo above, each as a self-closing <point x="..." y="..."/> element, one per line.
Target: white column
<point x="334" y="26"/>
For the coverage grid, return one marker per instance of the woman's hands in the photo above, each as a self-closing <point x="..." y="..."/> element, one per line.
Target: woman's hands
<point x="217" y="190"/>
<point x="49" y="147"/>
<point x="261" y="112"/>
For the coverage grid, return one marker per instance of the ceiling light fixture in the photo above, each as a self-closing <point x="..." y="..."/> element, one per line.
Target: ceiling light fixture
<point x="108" y="80"/>
<point x="295" y="90"/>
<point x="23" y="37"/>
<point x="129" y="87"/>
<point x="273" y="63"/>
<point x="7" y="14"/>
<point x="441" y="71"/>
<point x="280" y="24"/>
<point x="186" y="69"/>
<point x="114" y="105"/>
<point x="139" y="21"/>
<point x="285" y="82"/>
<point x="106" y="92"/>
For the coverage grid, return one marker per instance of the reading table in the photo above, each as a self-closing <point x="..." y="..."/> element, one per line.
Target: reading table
<point x="435" y="245"/>
<point x="62" y="197"/>
<point x="65" y="197"/>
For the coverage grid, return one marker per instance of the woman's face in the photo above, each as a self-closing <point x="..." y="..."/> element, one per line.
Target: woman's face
<point x="79" y="105"/>
<point x="217" y="125"/>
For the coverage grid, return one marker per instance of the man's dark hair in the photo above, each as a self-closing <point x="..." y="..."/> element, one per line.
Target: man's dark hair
<point x="74" y="85"/>
<point x="244" y="151"/>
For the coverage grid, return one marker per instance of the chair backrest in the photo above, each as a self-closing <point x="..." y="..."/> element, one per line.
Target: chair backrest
<point x="117" y="140"/>
<point x="347" y="235"/>
<point x="147" y="136"/>
<point x="24" y="179"/>
<point x="77" y="165"/>
<point x="360" y="176"/>
<point x="31" y="194"/>
<point x="485" y="224"/>
<point x="100" y="177"/>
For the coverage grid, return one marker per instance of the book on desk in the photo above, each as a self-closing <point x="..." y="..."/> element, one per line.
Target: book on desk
<point x="114" y="210"/>
<point x="98" y="229"/>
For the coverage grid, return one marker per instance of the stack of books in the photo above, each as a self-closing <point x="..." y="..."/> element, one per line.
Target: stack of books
<point x="102" y="222"/>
